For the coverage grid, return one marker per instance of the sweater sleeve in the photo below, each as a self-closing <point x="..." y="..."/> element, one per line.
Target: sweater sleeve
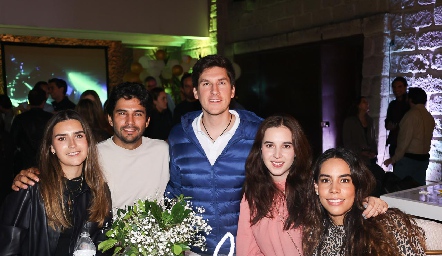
<point x="405" y="136"/>
<point x="245" y="240"/>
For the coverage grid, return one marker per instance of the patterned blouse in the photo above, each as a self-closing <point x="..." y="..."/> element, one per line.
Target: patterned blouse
<point x="334" y="238"/>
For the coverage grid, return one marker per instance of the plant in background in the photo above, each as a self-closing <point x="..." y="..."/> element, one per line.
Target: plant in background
<point x="153" y="228"/>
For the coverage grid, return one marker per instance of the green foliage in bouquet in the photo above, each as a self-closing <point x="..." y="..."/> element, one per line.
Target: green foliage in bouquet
<point x="152" y="228"/>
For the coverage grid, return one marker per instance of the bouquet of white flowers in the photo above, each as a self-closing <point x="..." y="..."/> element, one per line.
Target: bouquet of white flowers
<point x="153" y="228"/>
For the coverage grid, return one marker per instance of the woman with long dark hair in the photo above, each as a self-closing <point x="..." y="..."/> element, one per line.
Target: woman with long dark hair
<point x="71" y="197"/>
<point x="334" y="225"/>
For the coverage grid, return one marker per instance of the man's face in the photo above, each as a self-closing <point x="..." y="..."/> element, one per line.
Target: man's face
<point x="55" y="92"/>
<point x="187" y="89"/>
<point x="151" y="84"/>
<point x="129" y="121"/>
<point x="399" y="89"/>
<point x="214" y="91"/>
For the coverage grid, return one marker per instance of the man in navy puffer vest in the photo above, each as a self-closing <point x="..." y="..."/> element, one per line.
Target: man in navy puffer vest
<point x="208" y="150"/>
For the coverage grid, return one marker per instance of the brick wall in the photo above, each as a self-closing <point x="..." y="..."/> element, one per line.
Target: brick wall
<point x="413" y="25"/>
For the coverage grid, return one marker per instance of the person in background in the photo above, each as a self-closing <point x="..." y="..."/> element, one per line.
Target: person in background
<point x="58" y="88"/>
<point x="160" y="122"/>
<point x="189" y="102"/>
<point x="71" y="197"/>
<point x="6" y="112"/>
<point x="277" y="174"/>
<point x="24" y="106"/>
<point x="150" y="82"/>
<point x="412" y="157"/>
<point x="360" y="136"/>
<point x="396" y="111"/>
<point x="27" y="130"/>
<point x="88" y="110"/>
<point x="334" y="224"/>
<point x="95" y="98"/>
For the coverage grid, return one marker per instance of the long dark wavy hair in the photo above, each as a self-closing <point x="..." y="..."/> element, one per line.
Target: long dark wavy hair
<point x="51" y="177"/>
<point x="373" y="236"/>
<point x="259" y="188"/>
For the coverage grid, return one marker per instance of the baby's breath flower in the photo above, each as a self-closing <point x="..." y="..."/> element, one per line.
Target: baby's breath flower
<point x="149" y="228"/>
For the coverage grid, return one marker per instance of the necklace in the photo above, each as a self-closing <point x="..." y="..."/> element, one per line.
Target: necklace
<point x="202" y="121"/>
<point x="281" y="218"/>
<point x="73" y="187"/>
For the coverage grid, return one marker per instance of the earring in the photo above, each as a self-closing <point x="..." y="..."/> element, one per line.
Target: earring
<point x="317" y="193"/>
<point x="53" y="152"/>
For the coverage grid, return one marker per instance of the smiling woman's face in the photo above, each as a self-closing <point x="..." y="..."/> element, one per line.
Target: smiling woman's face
<point x="277" y="150"/>
<point x="335" y="189"/>
<point x="70" y="145"/>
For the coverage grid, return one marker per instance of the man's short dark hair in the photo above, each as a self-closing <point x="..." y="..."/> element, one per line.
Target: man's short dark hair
<point x="417" y="95"/>
<point x="211" y="61"/>
<point x="129" y="90"/>
<point x="149" y="78"/>
<point x="184" y="77"/>
<point x="36" y="97"/>
<point x="39" y="84"/>
<point x="59" y="83"/>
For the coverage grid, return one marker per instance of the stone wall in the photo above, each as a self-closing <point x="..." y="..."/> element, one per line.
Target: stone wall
<point x="416" y="54"/>
<point x="401" y="37"/>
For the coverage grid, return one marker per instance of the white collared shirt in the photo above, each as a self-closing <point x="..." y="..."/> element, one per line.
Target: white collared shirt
<point x="214" y="149"/>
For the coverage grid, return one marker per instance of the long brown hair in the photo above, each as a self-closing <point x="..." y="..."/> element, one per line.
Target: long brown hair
<point x="373" y="236"/>
<point x="51" y="177"/>
<point x="259" y="187"/>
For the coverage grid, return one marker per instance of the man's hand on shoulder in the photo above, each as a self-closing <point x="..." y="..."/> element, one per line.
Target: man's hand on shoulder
<point x="25" y="178"/>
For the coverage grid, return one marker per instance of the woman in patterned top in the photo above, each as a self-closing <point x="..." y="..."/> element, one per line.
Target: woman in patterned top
<point x="335" y="226"/>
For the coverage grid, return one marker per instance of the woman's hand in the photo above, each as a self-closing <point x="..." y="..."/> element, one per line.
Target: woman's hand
<point x="25" y="178"/>
<point x="374" y="206"/>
